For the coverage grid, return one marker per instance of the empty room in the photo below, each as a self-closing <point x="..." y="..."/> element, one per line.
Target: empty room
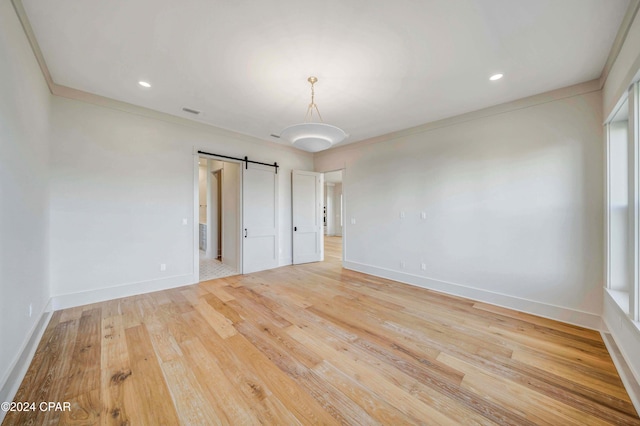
<point x="342" y="212"/>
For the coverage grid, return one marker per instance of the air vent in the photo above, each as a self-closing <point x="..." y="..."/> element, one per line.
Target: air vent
<point x="191" y="111"/>
<point x="274" y="136"/>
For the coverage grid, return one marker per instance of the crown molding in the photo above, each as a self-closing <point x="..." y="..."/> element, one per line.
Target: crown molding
<point x="35" y="47"/>
<point x="79" y="95"/>
<point x="621" y="37"/>
<point x="574" y="90"/>
<point x="530" y="101"/>
<point x="82" y="96"/>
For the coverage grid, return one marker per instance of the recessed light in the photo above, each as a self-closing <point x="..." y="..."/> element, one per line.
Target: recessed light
<point x="144" y="84"/>
<point x="496" y="77"/>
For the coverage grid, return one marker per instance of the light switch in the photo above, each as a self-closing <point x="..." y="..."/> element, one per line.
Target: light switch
<point x="402" y="215"/>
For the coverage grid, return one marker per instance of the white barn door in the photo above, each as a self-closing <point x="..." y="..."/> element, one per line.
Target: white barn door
<point x="259" y="218"/>
<point x="308" y="243"/>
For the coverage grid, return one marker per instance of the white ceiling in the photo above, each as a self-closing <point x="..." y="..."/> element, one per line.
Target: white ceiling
<point x="382" y="65"/>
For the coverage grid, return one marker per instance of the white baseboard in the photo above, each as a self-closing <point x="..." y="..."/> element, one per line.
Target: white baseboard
<point x="10" y="384"/>
<point x="284" y="261"/>
<point x="559" y="313"/>
<point x="626" y="374"/>
<point x="13" y="379"/>
<point x="622" y="337"/>
<point x="100" y="295"/>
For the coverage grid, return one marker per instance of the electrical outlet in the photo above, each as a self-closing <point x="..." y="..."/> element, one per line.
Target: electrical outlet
<point x="402" y="215"/>
<point x="423" y="215"/>
<point x="423" y="266"/>
<point x="353" y="220"/>
<point x="30" y="309"/>
<point x="163" y="267"/>
<point x="403" y="264"/>
<point x="185" y="221"/>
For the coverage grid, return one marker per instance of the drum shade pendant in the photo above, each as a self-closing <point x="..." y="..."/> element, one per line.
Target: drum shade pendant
<point x="313" y="136"/>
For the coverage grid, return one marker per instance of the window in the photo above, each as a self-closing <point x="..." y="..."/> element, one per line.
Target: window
<point x="623" y="205"/>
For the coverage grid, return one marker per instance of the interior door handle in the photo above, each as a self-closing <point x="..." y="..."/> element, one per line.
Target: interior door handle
<point x="295" y="228"/>
<point x="245" y="232"/>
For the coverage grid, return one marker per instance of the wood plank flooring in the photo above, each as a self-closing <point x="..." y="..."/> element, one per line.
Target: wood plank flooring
<point x="317" y="344"/>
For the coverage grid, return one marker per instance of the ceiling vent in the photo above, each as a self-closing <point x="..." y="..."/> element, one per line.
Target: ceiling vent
<point x="191" y="111"/>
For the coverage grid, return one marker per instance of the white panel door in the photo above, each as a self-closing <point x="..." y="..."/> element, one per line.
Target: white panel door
<point x="259" y="218"/>
<point x="306" y="198"/>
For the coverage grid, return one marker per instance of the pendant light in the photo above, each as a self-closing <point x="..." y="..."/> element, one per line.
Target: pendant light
<point x="313" y="136"/>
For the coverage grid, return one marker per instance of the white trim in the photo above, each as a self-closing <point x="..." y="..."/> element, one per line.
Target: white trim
<point x="558" y="313"/>
<point x="519" y="104"/>
<point x="632" y="250"/>
<point x="35" y="47"/>
<point x="623" y="345"/>
<point x="607" y="206"/>
<point x="196" y="206"/>
<point x="284" y="261"/>
<point x="344" y="216"/>
<point x="240" y="222"/>
<point x="621" y="298"/>
<point x="196" y="216"/>
<point x="179" y="117"/>
<point x="630" y="384"/>
<point x="109" y="293"/>
<point x="621" y="37"/>
<point x="12" y="380"/>
<point x="624" y="331"/>
<point x="616" y="108"/>
<point x="634" y="203"/>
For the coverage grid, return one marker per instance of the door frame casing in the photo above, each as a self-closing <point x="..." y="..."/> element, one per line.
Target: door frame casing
<point x="217" y="177"/>
<point x="345" y="223"/>
<point x="196" y="211"/>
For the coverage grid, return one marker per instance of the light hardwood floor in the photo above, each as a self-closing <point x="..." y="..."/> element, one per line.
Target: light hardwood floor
<point x="317" y="344"/>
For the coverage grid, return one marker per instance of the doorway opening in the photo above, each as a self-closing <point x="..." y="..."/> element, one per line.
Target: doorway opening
<point x="218" y="218"/>
<point x="333" y="216"/>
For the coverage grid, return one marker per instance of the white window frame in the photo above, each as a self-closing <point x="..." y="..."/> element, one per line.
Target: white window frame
<point x="634" y="135"/>
<point x="628" y="300"/>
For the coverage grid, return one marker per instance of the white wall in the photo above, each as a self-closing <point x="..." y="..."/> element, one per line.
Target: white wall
<point x="513" y="198"/>
<point x="24" y="203"/>
<point x="121" y="185"/>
